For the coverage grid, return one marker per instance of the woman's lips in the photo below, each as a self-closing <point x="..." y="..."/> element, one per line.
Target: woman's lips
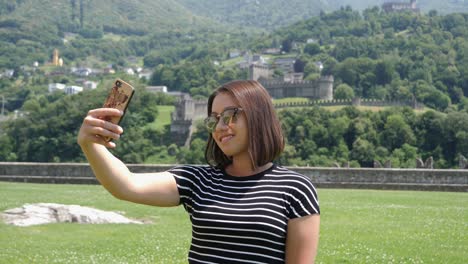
<point x="226" y="138"/>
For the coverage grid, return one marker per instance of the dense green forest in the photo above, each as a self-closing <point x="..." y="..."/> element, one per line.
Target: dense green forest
<point x="256" y="13"/>
<point x="271" y="14"/>
<point x="444" y="7"/>
<point x="371" y="54"/>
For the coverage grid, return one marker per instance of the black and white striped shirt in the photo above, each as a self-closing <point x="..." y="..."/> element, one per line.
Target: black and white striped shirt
<point x="242" y="219"/>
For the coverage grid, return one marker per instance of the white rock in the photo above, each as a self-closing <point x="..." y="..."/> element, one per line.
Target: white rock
<point x="45" y="213"/>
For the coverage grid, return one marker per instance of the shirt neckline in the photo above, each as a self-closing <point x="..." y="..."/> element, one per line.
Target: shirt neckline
<point x="249" y="177"/>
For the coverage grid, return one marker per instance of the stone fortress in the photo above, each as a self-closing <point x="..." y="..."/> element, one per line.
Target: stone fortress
<point x="188" y="110"/>
<point x="292" y="84"/>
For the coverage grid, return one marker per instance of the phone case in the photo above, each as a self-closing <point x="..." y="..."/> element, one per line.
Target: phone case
<point x="119" y="97"/>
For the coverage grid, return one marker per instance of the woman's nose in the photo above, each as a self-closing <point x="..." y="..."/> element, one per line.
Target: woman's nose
<point x="221" y="126"/>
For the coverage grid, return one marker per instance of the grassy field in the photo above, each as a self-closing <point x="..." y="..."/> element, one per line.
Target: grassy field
<point x="164" y="117"/>
<point x="290" y="100"/>
<point x="357" y="226"/>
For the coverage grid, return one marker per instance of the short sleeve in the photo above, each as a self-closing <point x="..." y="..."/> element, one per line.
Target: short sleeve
<point x="302" y="199"/>
<point x="184" y="177"/>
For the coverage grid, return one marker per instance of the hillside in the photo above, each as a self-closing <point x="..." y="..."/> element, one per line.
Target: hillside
<point x="129" y="16"/>
<point x="272" y="14"/>
<point x="443" y="7"/>
<point x="30" y="30"/>
<point x="264" y="14"/>
<point x="152" y="16"/>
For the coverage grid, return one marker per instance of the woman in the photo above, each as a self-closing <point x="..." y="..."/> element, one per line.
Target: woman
<point x="243" y="208"/>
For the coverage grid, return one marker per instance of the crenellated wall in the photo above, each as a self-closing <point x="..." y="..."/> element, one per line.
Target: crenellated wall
<point x="318" y="89"/>
<point x="358" y="178"/>
<point x="355" y="102"/>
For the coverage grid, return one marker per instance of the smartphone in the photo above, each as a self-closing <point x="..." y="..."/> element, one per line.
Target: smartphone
<point x="119" y="97"/>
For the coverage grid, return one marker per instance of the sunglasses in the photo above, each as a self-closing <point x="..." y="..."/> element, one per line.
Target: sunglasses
<point x="227" y="116"/>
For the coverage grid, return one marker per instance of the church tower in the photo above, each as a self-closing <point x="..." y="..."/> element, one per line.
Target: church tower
<point x="55" y="58"/>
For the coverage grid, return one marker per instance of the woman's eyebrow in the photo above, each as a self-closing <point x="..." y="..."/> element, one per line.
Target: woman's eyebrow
<point x="226" y="108"/>
<point x="230" y="107"/>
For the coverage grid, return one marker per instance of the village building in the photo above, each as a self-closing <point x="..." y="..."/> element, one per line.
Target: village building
<point x="67" y="89"/>
<point x="398" y="6"/>
<point x="157" y="89"/>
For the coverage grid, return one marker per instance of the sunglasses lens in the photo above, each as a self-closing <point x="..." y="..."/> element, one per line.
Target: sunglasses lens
<point x="210" y="123"/>
<point x="226" y="117"/>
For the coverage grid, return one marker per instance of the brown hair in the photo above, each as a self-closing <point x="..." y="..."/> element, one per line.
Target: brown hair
<point x="266" y="140"/>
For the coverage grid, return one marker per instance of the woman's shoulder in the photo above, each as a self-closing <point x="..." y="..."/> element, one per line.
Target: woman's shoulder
<point x="288" y="173"/>
<point x="293" y="177"/>
<point x="193" y="169"/>
<point x="299" y="186"/>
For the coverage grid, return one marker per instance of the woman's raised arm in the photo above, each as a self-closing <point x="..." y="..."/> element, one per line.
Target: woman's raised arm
<point x="159" y="189"/>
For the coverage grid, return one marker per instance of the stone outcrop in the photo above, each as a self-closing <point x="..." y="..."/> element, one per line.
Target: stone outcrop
<point x="387" y="164"/>
<point x="429" y="164"/>
<point x="46" y="213"/>
<point x="463" y="162"/>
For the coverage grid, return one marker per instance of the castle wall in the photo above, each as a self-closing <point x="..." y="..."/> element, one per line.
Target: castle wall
<point x="354" y="102"/>
<point x="200" y="110"/>
<point x="319" y="89"/>
<point x="186" y="111"/>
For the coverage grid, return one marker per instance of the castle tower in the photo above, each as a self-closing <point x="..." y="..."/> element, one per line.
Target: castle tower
<point x="325" y="87"/>
<point x="256" y="72"/>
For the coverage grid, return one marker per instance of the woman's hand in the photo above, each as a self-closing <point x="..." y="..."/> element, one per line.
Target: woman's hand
<point x="94" y="128"/>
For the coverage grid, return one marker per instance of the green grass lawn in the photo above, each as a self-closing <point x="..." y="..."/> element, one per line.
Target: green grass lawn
<point x="357" y="226"/>
<point x="290" y="100"/>
<point x="164" y="117"/>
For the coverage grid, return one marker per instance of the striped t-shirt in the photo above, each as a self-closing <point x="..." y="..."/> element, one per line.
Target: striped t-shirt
<point x="242" y="219"/>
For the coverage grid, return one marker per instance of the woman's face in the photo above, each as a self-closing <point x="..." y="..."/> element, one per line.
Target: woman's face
<point x="231" y="138"/>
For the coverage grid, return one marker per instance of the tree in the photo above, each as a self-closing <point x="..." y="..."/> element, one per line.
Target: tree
<point x="312" y="49"/>
<point x="396" y="133"/>
<point x="344" y="91"/>
<point x="360" y="127"/>
<point x="286" y="45"/>
<point x="364" y="152"/>
<point x="336" y="130"/>
<point x="462" y="142"/>
<point x="7" y="149"/>
<point x="404" y="157"/>
<point x="384" y="72"/>
<point x="32" y="105"/>
<point x="429" y="131"/>
<point x="299" y="65"/>
<point x="456" y="125"/>
<point x="194" y="154"/>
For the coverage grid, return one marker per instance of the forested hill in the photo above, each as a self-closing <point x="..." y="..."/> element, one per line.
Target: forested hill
<point x="144" y="16"/>
<point x="264" y="14"/>
<point x="118" y="16"/>
<point x="443" y="7"/>
<point x="271" y="14"/>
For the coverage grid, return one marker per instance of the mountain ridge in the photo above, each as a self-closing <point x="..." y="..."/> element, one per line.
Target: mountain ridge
<point x="145" y="15"/>
<point x="149" y="16"/>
